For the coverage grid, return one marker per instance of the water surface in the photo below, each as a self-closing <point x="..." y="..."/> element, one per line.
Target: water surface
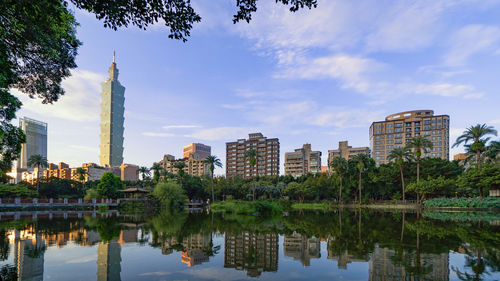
<point x="348" y="245"/>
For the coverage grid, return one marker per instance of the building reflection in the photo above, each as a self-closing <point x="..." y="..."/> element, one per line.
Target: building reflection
<point x="252" y="252"/>
<point x="195" y="249"/>
<point x="29" y="251"/>
<point x="301" y="248"/>
<point x="109" y="261"/>
<point x="386" y="265"/>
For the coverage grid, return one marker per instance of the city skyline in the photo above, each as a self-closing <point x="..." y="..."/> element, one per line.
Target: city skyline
<point x="324" y="88"/>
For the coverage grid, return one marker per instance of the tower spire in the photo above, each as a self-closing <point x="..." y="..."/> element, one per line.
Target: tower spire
<point x="113" y="56"/>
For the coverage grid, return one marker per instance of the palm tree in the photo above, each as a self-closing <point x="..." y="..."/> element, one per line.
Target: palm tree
<point x="476" y="135"/>
<point x="339" y="165"/>
<point x="252" y="156"/>
<point x="156" y="168"/>
<point x="399" y="155"/>
<point x="419" y="144"/>
<point x="144" y="172"/>
<point x="180" y="165"/>
<point x="81" y="172"/>
<point x="361" y="161"/>
<point x="38" y="161"/>
<point x="213" y="161"/>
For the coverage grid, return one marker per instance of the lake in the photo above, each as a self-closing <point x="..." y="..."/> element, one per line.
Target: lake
<point x="347" y="245"/>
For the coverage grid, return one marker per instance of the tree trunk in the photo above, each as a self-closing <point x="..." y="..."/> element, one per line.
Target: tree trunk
<point x="37" y="178"/>
<point x="212" y="183"/>
<point x="359" y="187"/>
<point x="402" y="182"/>
<point x="478" y="159"/>
<point x="340" y="191"/>
<point x="418" y="169"/>
<point x="403" y="226"/>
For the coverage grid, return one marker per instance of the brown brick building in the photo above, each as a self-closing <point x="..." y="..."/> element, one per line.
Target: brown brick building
<point x="268" y="160"/>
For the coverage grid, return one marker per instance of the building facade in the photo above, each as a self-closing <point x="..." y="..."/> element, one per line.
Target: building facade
<point x="302" y="248"/>
<point x="36" y="141"/>
<point x="346" y="151"/>
<point x="198" y="150"/>
<point x="112" y="109"/>
<point x="302" y="161"/>
<point x="398" y="129"/>
<point x="268" y="157"/>
<point x="192" y="167"/>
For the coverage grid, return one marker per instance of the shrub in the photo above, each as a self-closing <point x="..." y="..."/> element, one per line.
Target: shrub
<point x="109" y="186"/>
<point x="169" y="193"/>
<point x="91" y="194"/>
<point x="487" y="202"/>
<point x="17" y="190"/>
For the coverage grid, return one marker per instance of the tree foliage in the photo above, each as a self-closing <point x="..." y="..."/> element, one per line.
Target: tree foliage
<point x="169" y="193"/>
<point x="109" y="186"/>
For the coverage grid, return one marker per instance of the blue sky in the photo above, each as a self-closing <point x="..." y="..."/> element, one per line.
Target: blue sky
<point x="318" y="76"/>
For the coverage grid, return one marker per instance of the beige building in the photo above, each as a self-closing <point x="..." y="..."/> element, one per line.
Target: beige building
<point x="268" y="160"/>
<point x="193" y="166"/>
<point x="301" y="248"/>
<point x="302" y="161"/>
<point x="198" y="150"/>
<point x="398" y="129"/>
<point x="347" y="152"/>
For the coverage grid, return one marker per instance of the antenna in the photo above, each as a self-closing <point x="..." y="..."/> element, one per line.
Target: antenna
<point x="113" y="56"/>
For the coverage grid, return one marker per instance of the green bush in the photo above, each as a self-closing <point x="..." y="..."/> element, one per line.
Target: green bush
<point x="247" y="207"/>
<point x="17" y="190"/>
<point x="463" y="216"/>
<point x="487" y="202"/>
<point x="169" y="193"/>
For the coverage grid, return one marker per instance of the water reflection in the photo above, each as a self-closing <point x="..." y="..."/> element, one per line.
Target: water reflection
<point x="363" y="245"/>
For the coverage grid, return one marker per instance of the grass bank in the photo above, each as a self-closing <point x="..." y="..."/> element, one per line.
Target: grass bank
<point x="458" y="202"/>
<point x="323" y="206"/>
<point x="247" y="207"/>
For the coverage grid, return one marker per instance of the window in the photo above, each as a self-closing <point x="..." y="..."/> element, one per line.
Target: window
<point x="427" y="133"/>
<point x="389" y="147"/>
<point x="398" y="125"/>
<point x="417" y="129"/>
<point x="408" y="124"/>
<point x="408" y="135"/>
<point x="379" y="142"/>
<point x="439" y="126"/>
<point x="389" y="131"/>
<point x="379" y="158"/>
<point x="398" y="136"/>
<point x="390" y="142"/>
<point x="427" y="122"/>
<point x="427" y="127"/>
<point x="439" y="121"/>
<point x="389" y="126"/>
<point x="398" y="130"/>
<point x="390" y="136"/>
<point x="433" y="121"/>
<point x="417" y="134"/>
<point x="378" y="137"/>
<point x="377" y="127"/>
<point x="379" y="147"/>
<point x="398" y="141"/>
<point x="408" y="129"/>
<point x="417" y="123"/>
<point x="379" y="153"/>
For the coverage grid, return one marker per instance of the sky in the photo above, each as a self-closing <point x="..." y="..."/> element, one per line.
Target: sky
<point x="316" y="76"/>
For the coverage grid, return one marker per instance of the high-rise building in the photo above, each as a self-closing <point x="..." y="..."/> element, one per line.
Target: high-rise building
<point x="302" y="161"/>
<point x="268" y="157"/>
<point x="398" y="129"/>
<point x="255" y="253"/>
<point x="198" y="150"/>
<point x="109" y="261"/>
<point x="112" y="109"/>
<point x="192" y="166"/>
<point x="36" y="140"/>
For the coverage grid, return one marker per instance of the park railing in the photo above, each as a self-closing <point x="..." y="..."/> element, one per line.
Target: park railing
<point x="58" y="202"/>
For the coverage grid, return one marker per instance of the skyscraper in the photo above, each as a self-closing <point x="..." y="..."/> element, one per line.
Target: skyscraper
<point x="36" y="140"/>
<point x="112" y="109"/>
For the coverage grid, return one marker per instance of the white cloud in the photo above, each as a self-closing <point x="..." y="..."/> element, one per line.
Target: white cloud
<point x="222" y="133"/>
<point x="180" y="127"/>
<point x="153" y="134"/>
<point x="81" y="101"/>
<point x="155" y="273"/>
<point x="470" y="40"/>
<point x="82" y="259"/>
<point x="448" y="90"/>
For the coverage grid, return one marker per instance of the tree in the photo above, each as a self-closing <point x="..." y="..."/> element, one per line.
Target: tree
<point x="169" y="193"/>
<point x="361" y="163"/>
<point x="109" y="186"/>
<point x="180" y="165"/>
<point x="429" y="186"/>
<point x="476" y="135"/>
<point x="400" y="155"/>
<point x="38" y="161"/>
<point x="492" y="151"/>
<point x="252" y="155"/>
<point x="81" y="172"/>
<point x="156" y="168"/>
<point x="339" y="165"/>
<point x="213" y="161"/>
<point x="419" y="144"/>
<point x="144" y="172"/>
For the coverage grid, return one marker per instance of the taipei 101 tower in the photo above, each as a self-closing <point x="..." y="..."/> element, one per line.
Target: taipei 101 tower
<point x="112" y="109"/>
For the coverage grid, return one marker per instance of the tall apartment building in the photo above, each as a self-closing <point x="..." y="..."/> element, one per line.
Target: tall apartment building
<point x="302" y="161"/>
<point x="36" y="140"/>
<point x="347" y="152"/>
<point x="193" y="166"/>
<point x="112" y="109"/>
<point x="398" y="129"/>
<point x="198" y="150"/>
<point x="268" y="160"/>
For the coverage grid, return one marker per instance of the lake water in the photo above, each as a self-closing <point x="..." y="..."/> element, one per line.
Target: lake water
<point x="348" y="245"/>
